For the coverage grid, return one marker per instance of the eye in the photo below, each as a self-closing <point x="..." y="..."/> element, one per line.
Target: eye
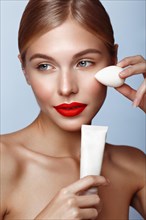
<point x="84" y="63"/>
<point x="44" y="67"/>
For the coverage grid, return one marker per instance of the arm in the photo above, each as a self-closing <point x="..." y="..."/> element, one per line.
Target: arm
<point x="5" y="180"/>
<point x="139" y="200"/>
<point x="136" y="65"/>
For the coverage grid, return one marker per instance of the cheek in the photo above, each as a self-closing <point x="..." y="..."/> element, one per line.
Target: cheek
<point x="97" y="96"/>
<point x="97" y="92"/>
<point x="42" y="89"/>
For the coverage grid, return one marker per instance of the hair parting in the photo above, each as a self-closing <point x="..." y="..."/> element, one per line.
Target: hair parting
<point x="41" y="16"/>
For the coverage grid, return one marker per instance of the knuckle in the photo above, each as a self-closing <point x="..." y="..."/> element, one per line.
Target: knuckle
<point x="64" y="191"/>
<point x="140" y="57"/>
<point x="75" y="213"/>
<point x="71" y="201"/>
<point x="126" y="60"/>
<point x="91" y="179"/>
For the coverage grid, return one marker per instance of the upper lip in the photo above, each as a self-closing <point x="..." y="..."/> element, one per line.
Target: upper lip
<point x="70" y="105"/>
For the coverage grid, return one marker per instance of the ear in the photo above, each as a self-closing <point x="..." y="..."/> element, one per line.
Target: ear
<point x="23" y="69"/>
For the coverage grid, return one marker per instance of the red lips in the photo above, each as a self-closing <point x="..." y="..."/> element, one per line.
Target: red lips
<point x="70" y="110"/>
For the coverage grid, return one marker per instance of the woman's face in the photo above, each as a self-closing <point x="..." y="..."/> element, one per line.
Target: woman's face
<point x="60" y="67"/>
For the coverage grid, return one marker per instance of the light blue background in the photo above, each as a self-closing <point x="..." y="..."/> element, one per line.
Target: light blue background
<point x="18" y="105"/>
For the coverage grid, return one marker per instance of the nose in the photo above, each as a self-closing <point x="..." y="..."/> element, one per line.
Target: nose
<point x="67" y="83"/>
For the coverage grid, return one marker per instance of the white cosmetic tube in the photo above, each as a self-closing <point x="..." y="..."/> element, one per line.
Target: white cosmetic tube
<point x="92" y="150"/>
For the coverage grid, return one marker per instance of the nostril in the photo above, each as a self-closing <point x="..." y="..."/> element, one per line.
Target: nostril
<point x="67" y="85"/>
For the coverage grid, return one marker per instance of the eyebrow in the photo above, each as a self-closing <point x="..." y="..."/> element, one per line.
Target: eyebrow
<point x="84" y="52"/>
<point x="42" y="56"/>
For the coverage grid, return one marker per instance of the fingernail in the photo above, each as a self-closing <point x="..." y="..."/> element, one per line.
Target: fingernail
<point x="135" y="103"/>
<point x="122" y="74"/>
<point x="119" y="64"/>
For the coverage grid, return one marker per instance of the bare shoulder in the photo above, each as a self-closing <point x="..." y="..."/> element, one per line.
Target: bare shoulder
<point x="9" y="168"/>
<point x="126" y="151"/>
<point x="8" y="160"/>
<point x="10" y="147"/>
<point x="129" y="160"/>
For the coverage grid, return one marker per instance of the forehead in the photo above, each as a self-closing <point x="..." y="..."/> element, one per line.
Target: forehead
<point x="70" y="36"/>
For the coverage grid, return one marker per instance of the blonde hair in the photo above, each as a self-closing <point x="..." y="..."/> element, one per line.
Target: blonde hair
<point x="41" y="16"/>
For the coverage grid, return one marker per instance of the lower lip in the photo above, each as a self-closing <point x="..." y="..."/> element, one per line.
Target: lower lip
<point x="71" y="112"/>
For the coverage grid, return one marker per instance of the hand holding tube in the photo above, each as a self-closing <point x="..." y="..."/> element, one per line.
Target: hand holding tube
<point x="69" y="203"/>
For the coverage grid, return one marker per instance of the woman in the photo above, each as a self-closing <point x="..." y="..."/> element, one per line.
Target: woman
<point x="62" y="44"/>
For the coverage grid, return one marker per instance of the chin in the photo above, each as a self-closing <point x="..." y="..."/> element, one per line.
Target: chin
<point x="74" y="125"/>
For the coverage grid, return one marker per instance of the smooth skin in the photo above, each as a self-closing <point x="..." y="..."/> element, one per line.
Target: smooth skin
<point x="41" y="163"/>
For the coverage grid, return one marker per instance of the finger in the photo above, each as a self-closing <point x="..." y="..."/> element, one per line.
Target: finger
<point x="90" y="213"/>
<point x="127" y="91"/>
<point x="132" y="60"/>
<point x="139" y="97"/>
<point x="133" y="70"/>
<point x="86" y="183"/>
<point x="88" y="201"/>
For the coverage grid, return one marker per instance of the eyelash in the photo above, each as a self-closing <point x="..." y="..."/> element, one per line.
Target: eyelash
<point x="39" y="67"/>
<point x="86" y="61"/>
<point x="44" y="66"/>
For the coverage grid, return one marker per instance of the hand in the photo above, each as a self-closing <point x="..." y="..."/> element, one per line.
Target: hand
<point x="135" y="65"/>
<point x="69" y="204"/>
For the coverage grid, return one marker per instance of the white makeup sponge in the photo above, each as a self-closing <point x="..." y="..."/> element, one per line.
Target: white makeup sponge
<point x="109" y="76"/>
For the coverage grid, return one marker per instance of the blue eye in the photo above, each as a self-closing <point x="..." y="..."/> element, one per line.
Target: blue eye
<point x="44" y="66"/>
<point x="85" y="63"/>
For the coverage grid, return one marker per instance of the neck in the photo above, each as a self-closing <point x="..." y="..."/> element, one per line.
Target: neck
<point x="53" y="140"/>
